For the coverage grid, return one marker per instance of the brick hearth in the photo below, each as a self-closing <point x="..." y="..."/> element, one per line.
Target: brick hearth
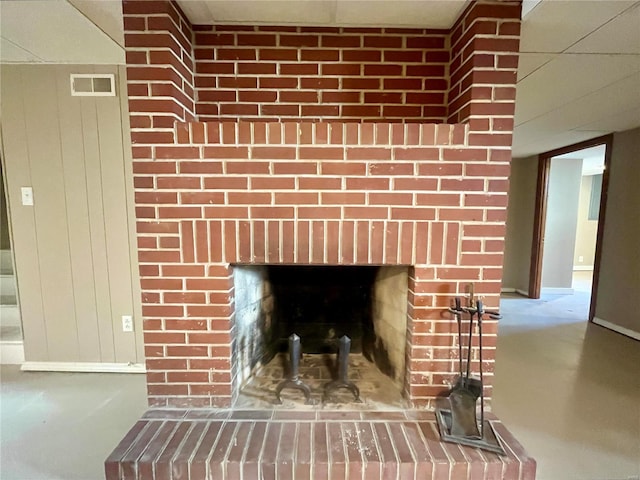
<point x="325" y="445"/>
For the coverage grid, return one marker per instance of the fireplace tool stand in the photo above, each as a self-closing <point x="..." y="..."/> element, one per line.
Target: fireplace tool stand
<point x="457" y="418"/>
<point x="293" y="381"/>
<point x="343" y="378"/>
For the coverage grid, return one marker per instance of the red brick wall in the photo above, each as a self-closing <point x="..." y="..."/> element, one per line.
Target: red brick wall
<point x="160" y="82"/>
<point x="210" y="194"/>
<point x="351" y="74"/>
<point x="484" y="60"/>
<point x="322" y="193"/>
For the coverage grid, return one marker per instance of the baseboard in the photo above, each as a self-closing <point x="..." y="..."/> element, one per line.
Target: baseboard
<point x="583" y="268"/>
<point x="616" y="328"/>
<point x="557" y="291"/>
<point x="11" y="353"/>
<point x="514" y="290"/>
<point x="93" y="367"/>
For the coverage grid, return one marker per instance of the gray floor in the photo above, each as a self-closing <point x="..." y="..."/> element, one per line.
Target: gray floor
<point x="569" y="391"/>
<point x="63" y="425"/>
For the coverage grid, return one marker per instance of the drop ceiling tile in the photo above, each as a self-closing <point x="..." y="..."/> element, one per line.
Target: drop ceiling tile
<point x="567" y="78"/>
<point x="57" y="33"/>
<point x="432" y="14"/>
<point x="615" y="97"/>
<point x="620" y="35"/>
<point x="527" y="143"/>
<point x="197" y="12"/>
<point x="107" y="15"/>
<point x="272" y="12"/>
<point x="528" y="6"/>
<point x="616" y="122"/>
<point x="554" y="25"/>
<point x="397" y="13"/>
<point x="11" y="53"/>
<point x="595" y="114"/>
<point x="530" y="62"/>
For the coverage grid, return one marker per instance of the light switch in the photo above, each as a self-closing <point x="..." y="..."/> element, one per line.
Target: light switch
<point x="27" y="195"/>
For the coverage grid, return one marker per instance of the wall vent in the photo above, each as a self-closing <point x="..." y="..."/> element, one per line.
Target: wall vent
<point x="93" y="85"/>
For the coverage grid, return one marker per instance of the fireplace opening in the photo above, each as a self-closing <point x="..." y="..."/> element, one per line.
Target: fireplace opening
<point x="320" y="304"/>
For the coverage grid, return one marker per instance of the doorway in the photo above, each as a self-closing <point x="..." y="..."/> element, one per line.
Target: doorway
<point x="571" y="194"/>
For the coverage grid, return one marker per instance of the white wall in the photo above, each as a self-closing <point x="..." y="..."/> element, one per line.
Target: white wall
<point x="560" y="227"/>
<point x="587" y="230"/>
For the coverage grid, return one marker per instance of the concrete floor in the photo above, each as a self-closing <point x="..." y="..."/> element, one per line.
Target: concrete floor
<point x="569" y="391"/>
<point x="62" y="426"/>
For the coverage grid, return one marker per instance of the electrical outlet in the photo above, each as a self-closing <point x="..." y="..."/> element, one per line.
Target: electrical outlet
<point x="127" y="323"/>
<point x="581" y="259"/>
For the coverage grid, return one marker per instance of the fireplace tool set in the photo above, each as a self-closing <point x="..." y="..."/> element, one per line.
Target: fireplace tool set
<point x="293" y="379"/>
<point x="457" y="413"/>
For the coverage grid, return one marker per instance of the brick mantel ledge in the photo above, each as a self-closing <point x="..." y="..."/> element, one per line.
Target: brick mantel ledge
<point x="246" y="132"/>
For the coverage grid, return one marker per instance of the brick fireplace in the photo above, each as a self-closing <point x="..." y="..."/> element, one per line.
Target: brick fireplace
<point x="258" y="146"/>
<point x="320" y="181"/>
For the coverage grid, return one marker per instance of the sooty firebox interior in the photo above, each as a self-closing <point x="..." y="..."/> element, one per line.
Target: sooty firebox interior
<point x="320" y="304"/>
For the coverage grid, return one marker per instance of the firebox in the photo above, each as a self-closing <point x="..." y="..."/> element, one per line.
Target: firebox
<point x="320" y="304"/>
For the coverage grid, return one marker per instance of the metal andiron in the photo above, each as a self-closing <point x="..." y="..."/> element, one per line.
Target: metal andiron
<point x="293" y="381"/>
<point x="343" y="367"/>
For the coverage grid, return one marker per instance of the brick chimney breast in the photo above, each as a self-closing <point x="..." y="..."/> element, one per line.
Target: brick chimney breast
<point x="333" y="146"/>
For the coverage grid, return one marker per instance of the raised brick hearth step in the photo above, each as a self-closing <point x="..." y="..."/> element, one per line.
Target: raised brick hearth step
<point x="282" y="444"/>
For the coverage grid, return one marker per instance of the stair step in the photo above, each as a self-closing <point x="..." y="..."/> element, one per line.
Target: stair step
<point x="11" y="353"/>
<point x="10" y="335"/>
<point x="6" y="262"/>
<point x="10" y="316"/>
<point x="7" y="287"/>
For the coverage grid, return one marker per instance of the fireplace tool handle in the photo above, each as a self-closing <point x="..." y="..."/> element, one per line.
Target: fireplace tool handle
<point x="467" y="376"/>
<point x="457" y="313"/>
<point x="464" y="380"/>
<point x="294" y="381"/>
<point x="480" y="312"/>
